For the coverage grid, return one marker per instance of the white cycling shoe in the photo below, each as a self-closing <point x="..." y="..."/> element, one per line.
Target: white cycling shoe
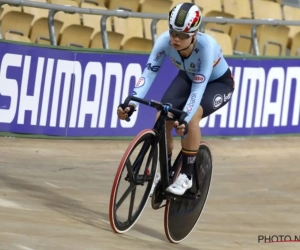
<point x="180" y="185"/>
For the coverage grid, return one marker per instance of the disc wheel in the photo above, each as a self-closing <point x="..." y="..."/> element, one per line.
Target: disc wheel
<point x="182" y="215"/>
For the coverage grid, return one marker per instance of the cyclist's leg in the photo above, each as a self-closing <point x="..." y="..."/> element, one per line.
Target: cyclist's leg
<point x="216" y="95"/>
<point x="176" y="94"/>
<point x="190" y="144"/>
<point x="189" y="149"/>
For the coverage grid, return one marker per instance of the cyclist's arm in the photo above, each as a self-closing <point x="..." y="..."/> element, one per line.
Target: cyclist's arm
<point x="153" y="65"/>
<point x="199" y="84"/>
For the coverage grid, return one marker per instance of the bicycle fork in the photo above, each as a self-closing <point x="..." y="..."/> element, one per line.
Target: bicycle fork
<point x="133" y="171"/>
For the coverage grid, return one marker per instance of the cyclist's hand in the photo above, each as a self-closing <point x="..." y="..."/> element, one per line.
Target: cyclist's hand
<point x="179" y="129"/>
<point x="124" y="112"/>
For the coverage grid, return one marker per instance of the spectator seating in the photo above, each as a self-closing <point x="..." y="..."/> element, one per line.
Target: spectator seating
<point x="29" y="24"/>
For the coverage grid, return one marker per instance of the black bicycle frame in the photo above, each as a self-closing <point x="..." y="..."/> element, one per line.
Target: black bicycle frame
<point x="159" y="129"/>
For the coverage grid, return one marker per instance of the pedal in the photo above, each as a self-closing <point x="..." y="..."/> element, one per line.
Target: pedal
<point x="162" y="206"/>
<point x="186" y="196"/>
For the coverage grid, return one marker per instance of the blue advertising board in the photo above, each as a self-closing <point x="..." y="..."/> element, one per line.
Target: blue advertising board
<point x="59" y="92"/>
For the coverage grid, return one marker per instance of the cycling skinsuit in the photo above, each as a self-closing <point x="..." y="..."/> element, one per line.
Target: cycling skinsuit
<point x="204" y="77"/>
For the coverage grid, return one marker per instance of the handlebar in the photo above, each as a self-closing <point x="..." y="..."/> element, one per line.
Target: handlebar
<point x="159" y="106"/>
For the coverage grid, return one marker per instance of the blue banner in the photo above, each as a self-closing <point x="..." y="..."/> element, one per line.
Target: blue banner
<point x="59" y="92"/>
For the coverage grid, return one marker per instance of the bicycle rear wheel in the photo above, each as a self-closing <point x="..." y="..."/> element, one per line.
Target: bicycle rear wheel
<point x="137" y="170"/>
<point x="182" y="214"/>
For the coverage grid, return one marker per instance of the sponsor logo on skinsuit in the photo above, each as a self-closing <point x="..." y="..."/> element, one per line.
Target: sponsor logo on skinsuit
<point x="218" y="100"/>
<point x="140" y="82"/>
<point x="159" y="55"/>
<point x="199" y="78"/>
<point x="227" y="97"/>
<point x="191" y="103"/>
<point x="199" y="65"/>
<point x="176" y="63"/>
<point x="153" y="68"/>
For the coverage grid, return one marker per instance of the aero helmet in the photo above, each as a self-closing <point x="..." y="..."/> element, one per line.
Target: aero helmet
<point x="185" y="17"/>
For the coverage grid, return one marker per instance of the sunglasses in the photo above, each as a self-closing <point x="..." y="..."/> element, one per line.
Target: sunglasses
<point x="181" y="35"/>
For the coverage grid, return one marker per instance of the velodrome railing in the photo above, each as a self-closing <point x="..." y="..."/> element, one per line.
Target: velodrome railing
<point x="122" y="13"/>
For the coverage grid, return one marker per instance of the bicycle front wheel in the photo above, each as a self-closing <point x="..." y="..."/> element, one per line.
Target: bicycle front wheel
<point x="133" y="182"/>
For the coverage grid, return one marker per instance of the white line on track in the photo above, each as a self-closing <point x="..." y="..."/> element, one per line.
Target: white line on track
<point x="10" y="204"/>
<point x="24" y="247"/>
<point x="52" y="185"/>
<point x="10" y="234"/>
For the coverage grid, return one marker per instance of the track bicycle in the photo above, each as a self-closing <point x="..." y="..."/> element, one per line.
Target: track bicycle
<point x="148" y="150"/>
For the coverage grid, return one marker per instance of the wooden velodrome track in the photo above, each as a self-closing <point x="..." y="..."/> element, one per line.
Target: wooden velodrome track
<point x="54" y="195"/>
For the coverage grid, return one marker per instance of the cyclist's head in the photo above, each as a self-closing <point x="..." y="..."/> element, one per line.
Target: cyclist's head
<point x="185" y="17"/>
<point x="184" y="22"/>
